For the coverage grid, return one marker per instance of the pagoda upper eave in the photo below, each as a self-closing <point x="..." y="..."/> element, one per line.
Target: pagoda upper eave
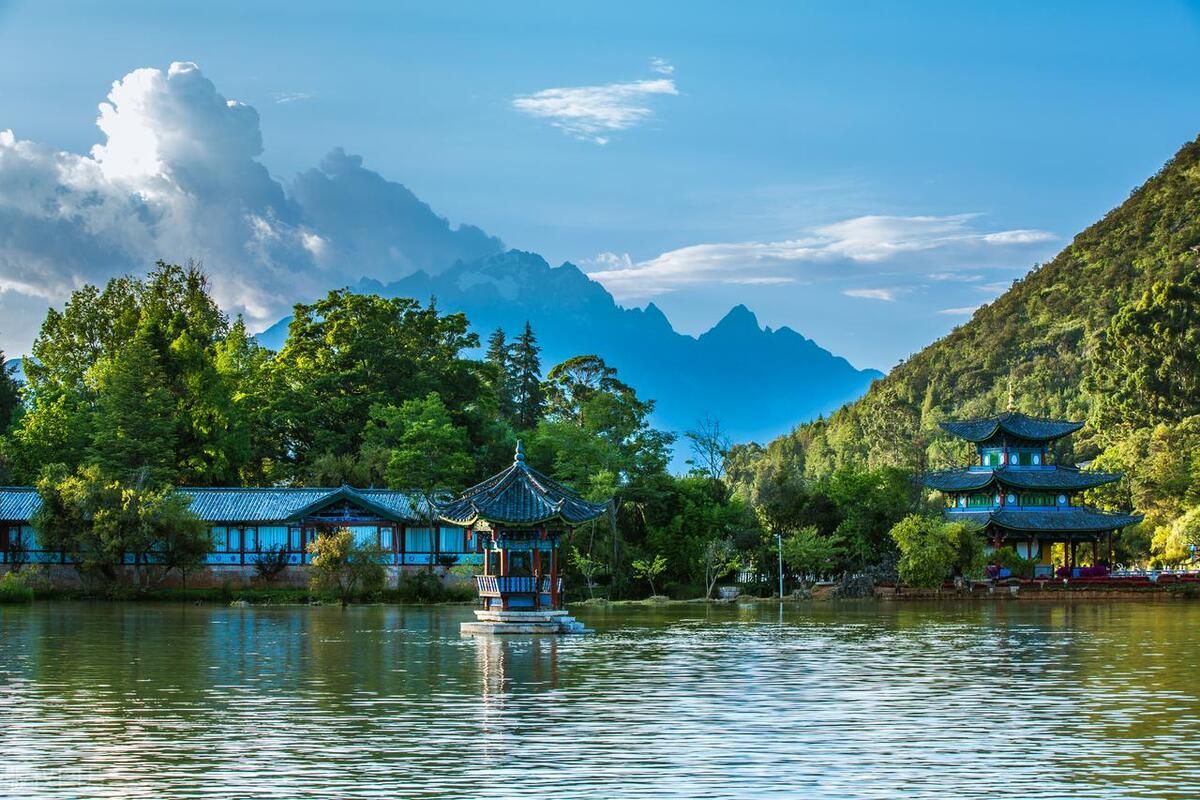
<point x="1015" y="424"/>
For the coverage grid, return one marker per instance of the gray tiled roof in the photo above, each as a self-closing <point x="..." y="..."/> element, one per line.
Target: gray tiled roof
<point x="251" y="505"/>
<point x="520" y="495"/>
<point x="1061" y="520"/>
<point x="1052" y="478"/>
<point x="279" y="504"/>
<point x="17" y="503"/>
<point x="1014" y="423"/>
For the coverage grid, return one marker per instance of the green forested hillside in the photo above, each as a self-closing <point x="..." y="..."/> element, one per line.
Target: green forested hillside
<point x="1108" y="331"/>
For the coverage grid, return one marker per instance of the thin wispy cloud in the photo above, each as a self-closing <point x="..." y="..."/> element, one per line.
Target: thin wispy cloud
<point x="913" y="248"/>
<point x="662" y="66"/>
<point x="964" y="311"/>
<point x="888" y="295"/>
<point x="594" y="113"/>
<point x="1018" y="237"/>
<point x="283" y="98"/>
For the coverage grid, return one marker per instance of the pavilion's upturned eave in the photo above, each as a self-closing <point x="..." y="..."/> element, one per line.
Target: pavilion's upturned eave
<point x="1015" y="424"/>
<point x="520" y="496"/>
<point x="1057" y="479"/>
<point x="1076" y="519"/>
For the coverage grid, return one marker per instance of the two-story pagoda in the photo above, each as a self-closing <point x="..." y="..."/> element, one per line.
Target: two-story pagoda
<point x="1018" y="498"/>
<point x="519" y="517"/>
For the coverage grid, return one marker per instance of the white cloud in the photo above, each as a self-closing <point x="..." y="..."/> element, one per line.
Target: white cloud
<point x="964" y="311"/>
<point x="593" y="113"/>
<point x="954" y="276"/>
<point x="662" y="66"/>
<point x="888" y="295"/>
<point x="841" y="251"/>
<point x="282" y="98"/>
<point x="177" y="177"/>
<point x="1018" y="237"/>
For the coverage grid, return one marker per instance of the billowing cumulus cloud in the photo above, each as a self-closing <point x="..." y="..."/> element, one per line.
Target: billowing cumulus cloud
<point x="906" y="247"/>
<point x="594" y="113"/>
<point x="177" y="177"/>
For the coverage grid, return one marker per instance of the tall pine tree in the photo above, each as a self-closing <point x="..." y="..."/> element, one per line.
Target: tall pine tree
<point x="527" y="379"/>
<point x="499" y="356"/>
<point x="134" y="437"/>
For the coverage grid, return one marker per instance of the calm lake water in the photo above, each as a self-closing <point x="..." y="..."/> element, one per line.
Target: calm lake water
<point x="1018" y="699"/>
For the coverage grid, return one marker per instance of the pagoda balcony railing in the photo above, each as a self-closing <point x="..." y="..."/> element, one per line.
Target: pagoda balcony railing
<point x="500" y="585"/>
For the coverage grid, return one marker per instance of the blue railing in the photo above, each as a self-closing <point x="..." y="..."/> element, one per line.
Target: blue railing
<point x="497" y="585"/>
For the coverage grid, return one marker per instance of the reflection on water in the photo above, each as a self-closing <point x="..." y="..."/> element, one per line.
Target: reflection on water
<point x="1086" y="700"/>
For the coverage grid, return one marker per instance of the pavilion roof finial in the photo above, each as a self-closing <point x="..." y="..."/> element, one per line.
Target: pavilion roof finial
<point x="519" y="455"/>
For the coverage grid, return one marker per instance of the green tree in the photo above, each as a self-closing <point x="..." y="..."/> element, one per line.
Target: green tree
<point x="1147" y="368"/>
<point x="720" y="557"/>
<point x="134" y="434"/>
<point x="807" y="552"/>
<point x="526" y="366"/>
<point x="104" y="525"/>
<point x="10" y="393"/>
<point x="343" y="567"/>
<point x="649" y="569"/>
<point x="585" y="393"/>
<point x="930" y="549"/>
<point x="869" y="502"/>
<point x="348" y="353"/>
<point x="499" y="356"/>
<point x="427" y="451"/>
<point x="171" y="314"/>
<point x="590" y="568"/>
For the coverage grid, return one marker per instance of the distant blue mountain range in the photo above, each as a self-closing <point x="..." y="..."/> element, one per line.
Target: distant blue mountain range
<point x="758" y="382"/>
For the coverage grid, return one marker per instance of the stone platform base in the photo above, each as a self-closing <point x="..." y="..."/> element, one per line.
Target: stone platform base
<point x="523" y="622"/>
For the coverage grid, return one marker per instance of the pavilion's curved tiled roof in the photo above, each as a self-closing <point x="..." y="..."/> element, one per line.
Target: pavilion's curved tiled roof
<point x="1055" y="479"/>
<point x="1014" y="423"/>
<point x="520" y="496"/>
<point x="1060" y="520"/>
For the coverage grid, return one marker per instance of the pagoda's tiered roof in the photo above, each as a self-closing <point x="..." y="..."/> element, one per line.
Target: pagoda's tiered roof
<point x="1015" y="424"/>
<point x="520" y="496"/>
<point x="1059" y="520"/>
<point x="1057" y="478"/>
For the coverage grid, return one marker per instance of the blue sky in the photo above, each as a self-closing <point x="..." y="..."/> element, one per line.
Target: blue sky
<point x="862" y="172"/>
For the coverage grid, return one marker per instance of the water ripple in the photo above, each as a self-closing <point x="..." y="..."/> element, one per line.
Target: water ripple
<point x="837" y="701"/>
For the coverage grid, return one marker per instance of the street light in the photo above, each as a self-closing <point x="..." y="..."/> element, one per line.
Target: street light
<point x="779" y="544"/>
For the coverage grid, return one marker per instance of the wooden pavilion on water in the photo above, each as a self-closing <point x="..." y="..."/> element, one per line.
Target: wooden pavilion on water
<point x="1018" y="498"/>
<point x="519" y="517"/>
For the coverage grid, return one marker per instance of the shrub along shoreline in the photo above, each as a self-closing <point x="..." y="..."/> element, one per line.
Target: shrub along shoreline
<point x="416" y="589"/>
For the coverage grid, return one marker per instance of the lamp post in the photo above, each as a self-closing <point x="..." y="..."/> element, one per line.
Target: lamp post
<point x="779" y="545"/>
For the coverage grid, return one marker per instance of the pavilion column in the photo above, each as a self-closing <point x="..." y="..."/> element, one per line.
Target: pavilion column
<point x="554" y="575"/>
<point x="537" y="577"/>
